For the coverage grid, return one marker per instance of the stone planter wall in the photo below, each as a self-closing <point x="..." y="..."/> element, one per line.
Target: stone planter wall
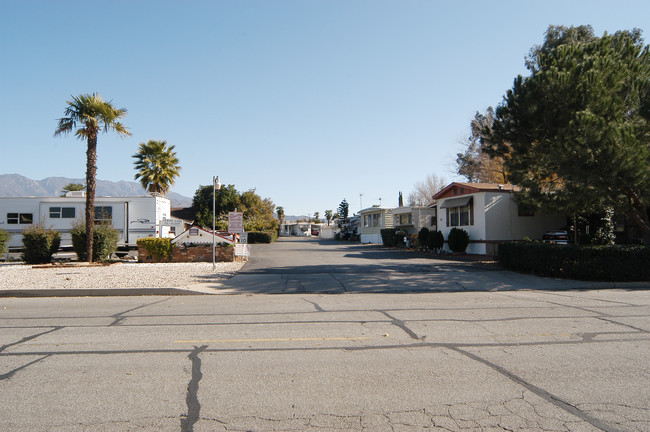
<point x="193" y="254"/>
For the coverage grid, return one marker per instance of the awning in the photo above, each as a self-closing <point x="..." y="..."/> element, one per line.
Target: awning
<point x="457" y="202"/>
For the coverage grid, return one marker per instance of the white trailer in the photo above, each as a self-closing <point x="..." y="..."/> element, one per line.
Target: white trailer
<point x="132" y="217"/>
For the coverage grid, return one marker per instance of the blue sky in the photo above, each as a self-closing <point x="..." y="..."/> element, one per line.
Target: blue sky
<point x="309" y="102"/>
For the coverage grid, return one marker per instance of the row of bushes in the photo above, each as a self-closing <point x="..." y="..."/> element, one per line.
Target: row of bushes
<point x="603" y="263"/>
<point x="458" y="239"/>
<point x="40" y="243"/>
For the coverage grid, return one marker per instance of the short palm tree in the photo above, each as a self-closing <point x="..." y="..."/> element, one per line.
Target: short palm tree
<point x="157" y="166"/>
<point x="87" y="115"/>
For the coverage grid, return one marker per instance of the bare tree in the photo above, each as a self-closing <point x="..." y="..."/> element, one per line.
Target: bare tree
<point x="475" y="164"/>
<point x="424" y="191"/>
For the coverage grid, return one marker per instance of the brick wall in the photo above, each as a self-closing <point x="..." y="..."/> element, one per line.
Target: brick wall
<point x="193" y="254"/>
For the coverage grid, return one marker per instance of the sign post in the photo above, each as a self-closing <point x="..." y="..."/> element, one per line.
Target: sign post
<point x="216" y="184"/>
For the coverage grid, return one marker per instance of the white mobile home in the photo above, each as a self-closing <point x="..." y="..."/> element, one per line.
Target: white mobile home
<point x="133" y="217"/>
<point x="490" y="215"/>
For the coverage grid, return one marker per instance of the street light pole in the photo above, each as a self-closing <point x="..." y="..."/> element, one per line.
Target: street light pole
<point x="216" y="184"/>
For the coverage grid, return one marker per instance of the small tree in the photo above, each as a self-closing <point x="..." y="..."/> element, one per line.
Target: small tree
<point x="344" y="209"/>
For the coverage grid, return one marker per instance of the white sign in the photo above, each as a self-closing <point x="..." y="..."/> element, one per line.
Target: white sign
<point x="235" y="222"/>
<point x="242" y="250"/>
<point x="177" y="223"/>
<point x="243" y="238"/>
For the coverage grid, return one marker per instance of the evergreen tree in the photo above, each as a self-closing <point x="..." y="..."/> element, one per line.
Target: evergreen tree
<point x="575" y="134"/>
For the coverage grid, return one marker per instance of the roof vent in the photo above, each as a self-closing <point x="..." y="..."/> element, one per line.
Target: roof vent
<point x="75" y="194"/>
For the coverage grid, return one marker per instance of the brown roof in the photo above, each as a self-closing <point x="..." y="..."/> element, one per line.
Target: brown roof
<point x="475" y="187"/>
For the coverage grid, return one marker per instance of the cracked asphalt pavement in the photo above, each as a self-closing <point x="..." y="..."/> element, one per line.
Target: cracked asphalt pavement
<point x="527" y="359"/>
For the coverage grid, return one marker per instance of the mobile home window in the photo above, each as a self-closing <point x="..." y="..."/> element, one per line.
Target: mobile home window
<point x="62" y="212"/>
<point x="375" y="220"/>
<point x="460" y="216"/>
<point x="405" y="219"/>
<point x="103" y="215"/>
<point x="20" y="218"/>
<point x="460" y="211"/>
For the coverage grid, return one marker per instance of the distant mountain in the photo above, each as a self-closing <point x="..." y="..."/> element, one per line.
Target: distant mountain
<point x="15" y="185"/>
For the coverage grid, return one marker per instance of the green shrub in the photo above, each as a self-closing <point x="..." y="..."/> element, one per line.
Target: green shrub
<point x="388" y="237"/>
<point x="436" y="240"/>
<point x="262" y="237"/>
<point x="603" y="263"/>
<point x="458" y="240"/>
<point x="4" y="241"/>
<point x="423" y="235"/>
<point x="158" y="248"/>
<point x="39" y="244"/>
<point x="105" y="239"/>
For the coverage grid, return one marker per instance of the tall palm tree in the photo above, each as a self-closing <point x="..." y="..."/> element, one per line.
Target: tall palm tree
<point x="157" y="166"/>
<point x="87" y="115"/>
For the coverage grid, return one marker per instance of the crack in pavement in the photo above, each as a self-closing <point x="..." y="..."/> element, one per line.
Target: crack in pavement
<point x="28" y="338"/>
<point x="11" y="373"/>
<point x="555" y="400"/>
<point x="119" y="317"/>
<point x="339" y="281"/>
<point x="316" y="305"/>
<point x="192" y="399"/>
<point x="401" y="324"/>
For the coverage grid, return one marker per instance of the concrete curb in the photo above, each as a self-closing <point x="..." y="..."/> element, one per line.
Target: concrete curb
<point x="107" y="292"/>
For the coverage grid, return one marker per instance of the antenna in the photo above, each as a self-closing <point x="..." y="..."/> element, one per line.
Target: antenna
<point x="360" y="201"/>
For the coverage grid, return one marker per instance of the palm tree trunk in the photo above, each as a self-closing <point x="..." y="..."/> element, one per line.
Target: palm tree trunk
<point x="91" y="172"/>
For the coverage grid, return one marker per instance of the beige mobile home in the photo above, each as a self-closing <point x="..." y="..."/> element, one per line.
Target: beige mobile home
<point x="372" y="221"/>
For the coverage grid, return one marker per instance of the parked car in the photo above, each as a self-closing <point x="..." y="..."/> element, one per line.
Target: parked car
<point x="557" y="237"/>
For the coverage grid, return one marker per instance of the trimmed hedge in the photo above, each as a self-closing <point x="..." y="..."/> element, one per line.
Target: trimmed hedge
<point x="436" y="240"/>
<point x="105" y="239"/>
<point x="603" y="263"/>
<point x="458" y="240"/>
<point x="262" y="236"/>
<point x="159" y="248"/>
<point x="39" y="244"/>
<point x="4" y="241"/>
<point x="389" y="237"/>
<point x="423" y="236"/>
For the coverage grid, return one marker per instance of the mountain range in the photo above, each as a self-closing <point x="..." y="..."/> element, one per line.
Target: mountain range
<point x="15" y="185"/>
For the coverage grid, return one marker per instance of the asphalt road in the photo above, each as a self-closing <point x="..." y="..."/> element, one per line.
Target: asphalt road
<point x="525" y="359"/>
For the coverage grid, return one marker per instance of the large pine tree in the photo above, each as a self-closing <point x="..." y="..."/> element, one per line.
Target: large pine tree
<point x="575" y="133"/>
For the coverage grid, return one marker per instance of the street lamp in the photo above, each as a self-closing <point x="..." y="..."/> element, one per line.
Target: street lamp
<point x="216" y="184"/>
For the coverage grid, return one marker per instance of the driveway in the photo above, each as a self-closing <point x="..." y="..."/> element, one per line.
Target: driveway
<point x="306" y="265"/>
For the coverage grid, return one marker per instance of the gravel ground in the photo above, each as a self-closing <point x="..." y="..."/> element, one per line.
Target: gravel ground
<point x="119" y="275"/>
